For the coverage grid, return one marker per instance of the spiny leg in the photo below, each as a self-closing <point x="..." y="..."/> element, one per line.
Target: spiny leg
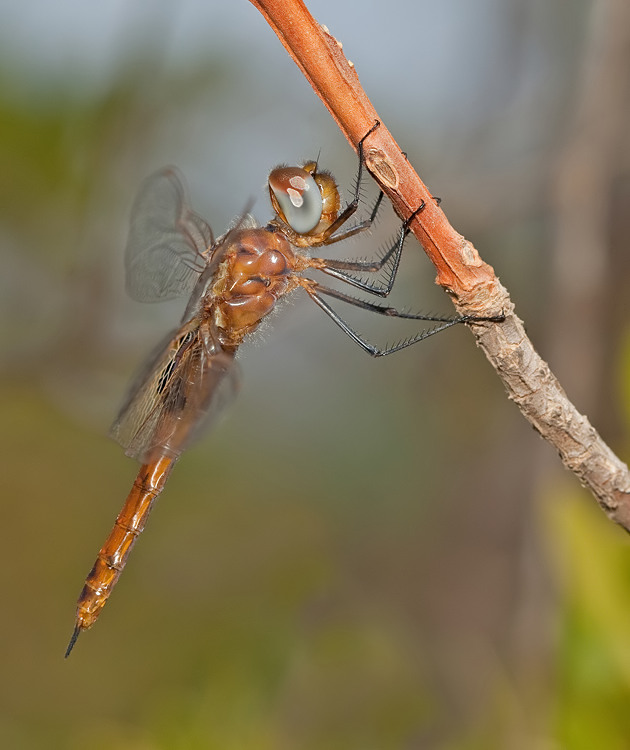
<point x="356" y="228"/>
<point x="338" y="268"/>
<point x="350" y="209"/>
<point x="316" y="290"/>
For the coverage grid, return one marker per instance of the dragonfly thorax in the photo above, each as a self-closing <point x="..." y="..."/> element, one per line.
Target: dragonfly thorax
<point x="256" y="272"/>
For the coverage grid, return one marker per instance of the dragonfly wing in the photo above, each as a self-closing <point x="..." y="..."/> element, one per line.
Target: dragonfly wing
<point x="168" y="242"/>
<point x="182" y="389"/>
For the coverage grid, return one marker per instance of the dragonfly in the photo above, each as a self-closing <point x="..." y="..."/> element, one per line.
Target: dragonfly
<point x="234" y="282"/>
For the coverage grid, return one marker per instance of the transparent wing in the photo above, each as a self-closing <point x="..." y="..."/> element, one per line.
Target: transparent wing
<point x="178" y="393"/>
<point x="167" y="240"/>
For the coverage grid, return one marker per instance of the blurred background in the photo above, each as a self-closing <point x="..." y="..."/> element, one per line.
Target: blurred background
<point x="364" y="554"/>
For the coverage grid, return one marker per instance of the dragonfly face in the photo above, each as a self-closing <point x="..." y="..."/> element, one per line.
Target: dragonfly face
<point x="233" y="282"/>
<point x="305" y="200"/>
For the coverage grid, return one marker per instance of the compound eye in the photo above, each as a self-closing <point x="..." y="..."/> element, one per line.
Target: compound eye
<point x="296" y="197"/>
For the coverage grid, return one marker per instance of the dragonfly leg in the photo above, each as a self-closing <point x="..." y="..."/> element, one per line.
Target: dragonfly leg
<point x="338" y="269"/>
<point x="329" y="236"/>
<point x="316" y="290"/>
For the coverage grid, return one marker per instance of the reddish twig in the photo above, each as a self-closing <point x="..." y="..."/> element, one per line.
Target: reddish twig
<point x="460" y="271"/>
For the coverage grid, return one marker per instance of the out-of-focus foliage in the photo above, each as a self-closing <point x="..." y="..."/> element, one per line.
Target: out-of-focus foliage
<point x="592" y="638"/>
<point x="364" y="554"/>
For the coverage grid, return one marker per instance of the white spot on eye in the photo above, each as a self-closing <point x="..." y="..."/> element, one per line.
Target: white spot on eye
<point x="299" y="183"/>
<point x="299" y="198"/>
<point x="295" y="196"/>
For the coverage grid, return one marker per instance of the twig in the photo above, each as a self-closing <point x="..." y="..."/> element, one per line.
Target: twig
<point x="460" y="271"/>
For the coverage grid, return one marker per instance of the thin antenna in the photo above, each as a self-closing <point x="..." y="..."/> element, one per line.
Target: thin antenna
<point x="319" y="153"/>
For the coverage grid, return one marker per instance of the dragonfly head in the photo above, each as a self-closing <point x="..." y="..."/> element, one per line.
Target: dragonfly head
<point x="305" y="199"/>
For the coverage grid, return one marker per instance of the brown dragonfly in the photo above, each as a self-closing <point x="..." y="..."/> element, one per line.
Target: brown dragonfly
<point x="236" y="280"/>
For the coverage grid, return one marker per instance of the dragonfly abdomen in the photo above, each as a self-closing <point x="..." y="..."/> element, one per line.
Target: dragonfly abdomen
<point x="113" y="554"/>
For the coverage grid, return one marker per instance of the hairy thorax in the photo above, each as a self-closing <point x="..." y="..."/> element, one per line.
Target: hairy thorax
<point x="258" y="269"/>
